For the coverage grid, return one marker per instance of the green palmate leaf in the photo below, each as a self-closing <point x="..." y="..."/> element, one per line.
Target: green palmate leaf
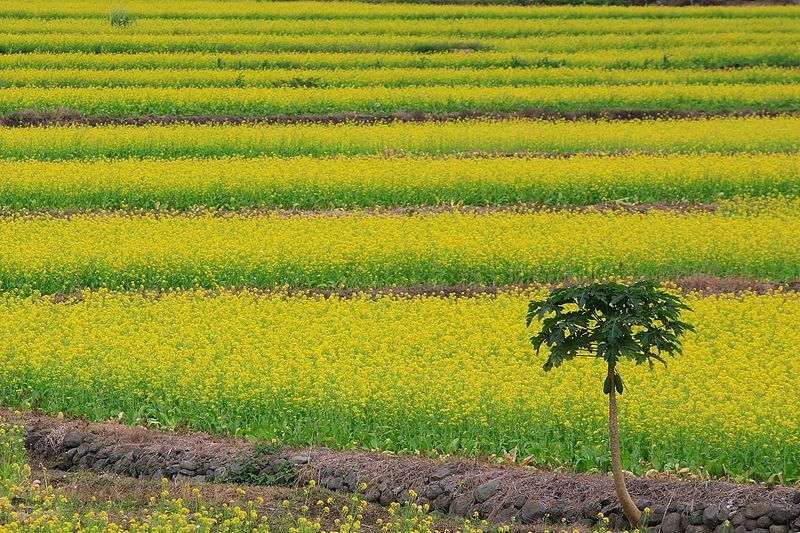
<point x="609" y="321"/>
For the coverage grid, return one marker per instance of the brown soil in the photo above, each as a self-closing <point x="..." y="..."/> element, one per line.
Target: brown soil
<point x="680" y="207"/>
<point x="30" y="117"/>
<point x="704" y="284"/>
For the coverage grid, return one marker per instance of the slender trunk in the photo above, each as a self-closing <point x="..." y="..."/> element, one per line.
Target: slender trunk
<point x="628" y="506"/>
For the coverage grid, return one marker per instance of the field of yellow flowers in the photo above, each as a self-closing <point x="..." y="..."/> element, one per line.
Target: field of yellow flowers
<point x="47" y="254"/>
<point x="423" y="374"/>
<point x="367" y="181"/>
<point x="252" y="60"/>
<point x="174" y="177"/>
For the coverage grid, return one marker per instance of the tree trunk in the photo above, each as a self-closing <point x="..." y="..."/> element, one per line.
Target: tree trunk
<point x="628" y="506"/>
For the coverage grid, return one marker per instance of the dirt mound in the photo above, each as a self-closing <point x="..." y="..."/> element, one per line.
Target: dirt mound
<point x="457" y="486"/>
<point x="60" y="117"/>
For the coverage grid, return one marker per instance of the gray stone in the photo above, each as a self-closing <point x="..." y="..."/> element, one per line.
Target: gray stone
<point x="740" y="529"/>
<point x="460" y="506"/>
<point x="778" y="529"/>
<point x="146" y="465"/>
<point x="433" y="491"/>
<point x="560" y="509"/>
<point x="590" y="509"/>
<point x="683" y="508"/>
<point x="88" y="437"/>
<point x="710" y="515"/>
<point x="760" y="530"/>
<point x="172" y="470"/>
<point x="115" y="454"/>
<point x="696" y="517"/>
<point x="442" y="503"/>
<point x="737" y="519"/>
<point x="299" y="459"/>
<point x="506" y="514"/>
<point x="722" y="528"/>
<point x="750" y="524"/>
<point x="697" y="529"/>
<point x="350" y="481"/>
<point x="82" y="450"/>
<point x="490" y="506"/>
<point x="441" y="473"/>
<point x="755" y="510"/>
<point x="333" y="483"/>
<point x="796" y="498"/>
<point x="120" y="467"/>
<point x="532" y="511"/>
<point x="387" y="497"/>
<point x="794" y="512"/>
<point x="158" y="475"/>
<point x="188" y="464"/>
<point x="520" y="500"/>
<point x="611" y="508"/>
<point x="486" y="490"/>
<point x="99" y="465"/>
<point x="764" y="521"/>
<point x="641" y="504"/>
<point x="585" y="523"/>
<point x="372" y="494"/>
<point x="779" y="515"/>
<point x="618" y="522"/>
<point x="656" y="515"/>
<point x="403" y="497"/>
<point x="219" y="473"/>
<point x="200" y="479"/>
<point x="673" y="523"/>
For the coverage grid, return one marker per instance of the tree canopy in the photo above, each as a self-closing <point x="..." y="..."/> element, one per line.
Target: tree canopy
<point x="609" y="321"/>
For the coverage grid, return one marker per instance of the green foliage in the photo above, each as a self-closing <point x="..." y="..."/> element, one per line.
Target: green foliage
<point x="609" y="321"/>
<point x="256" y="468"/>
<point x="14" y="472"/>
<point x="120" y="18"/>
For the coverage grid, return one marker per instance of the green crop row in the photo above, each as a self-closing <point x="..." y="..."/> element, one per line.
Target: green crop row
<point x="258" y="101"/>
<point x="389" y="77"/>
<point x="152" y="251"/>
<point x="244" y="9"/>
<point x="349" y="182"/>
<point x="461" y="27"/>
<point x="724" y="135"/>
<point x="118" y="43"/>
<point x="737" y="56"/>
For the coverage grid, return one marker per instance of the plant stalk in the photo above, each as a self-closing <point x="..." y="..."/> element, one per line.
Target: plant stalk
<point x="633" y="514"/>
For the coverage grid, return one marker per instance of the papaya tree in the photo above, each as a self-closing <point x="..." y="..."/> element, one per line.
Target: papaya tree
<point x="611" y="322"/>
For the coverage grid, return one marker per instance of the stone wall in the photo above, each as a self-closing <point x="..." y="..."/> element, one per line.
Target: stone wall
<point x="463" y="488"/>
